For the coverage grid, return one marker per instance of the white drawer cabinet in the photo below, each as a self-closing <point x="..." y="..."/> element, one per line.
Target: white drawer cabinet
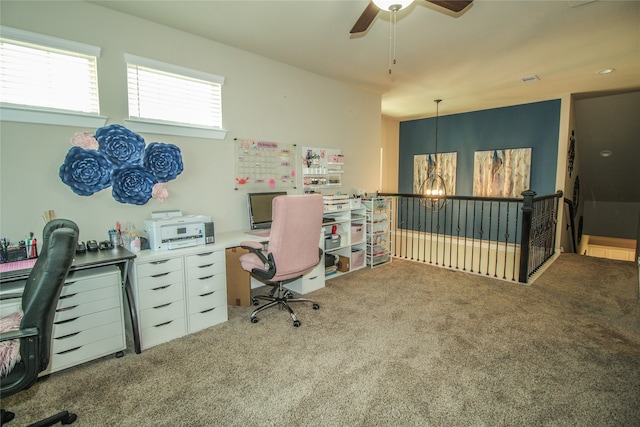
<point x="207" y="289"/>
<point x="89" y="320"/>
<point x="159" y="294"/>
<point x="178" y="292"/>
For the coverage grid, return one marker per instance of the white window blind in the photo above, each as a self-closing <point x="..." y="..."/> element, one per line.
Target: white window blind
<point x="169" y="93"/>
<point x="45" y="72"/>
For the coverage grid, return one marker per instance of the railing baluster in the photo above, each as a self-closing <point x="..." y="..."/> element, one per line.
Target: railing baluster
<point x="482" y="230"/>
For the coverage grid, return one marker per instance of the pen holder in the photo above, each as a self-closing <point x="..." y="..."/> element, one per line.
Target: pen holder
<point x="114" y="238"/>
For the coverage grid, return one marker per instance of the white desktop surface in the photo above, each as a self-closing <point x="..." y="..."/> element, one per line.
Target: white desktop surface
<point x="230" y="239"/>
<point x="224" y="240"/>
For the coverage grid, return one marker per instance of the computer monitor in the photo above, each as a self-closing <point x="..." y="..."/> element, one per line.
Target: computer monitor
<point x="259" y="205"/>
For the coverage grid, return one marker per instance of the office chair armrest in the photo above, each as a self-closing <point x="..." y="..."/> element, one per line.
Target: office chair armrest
<point x="251" y="245"/>
<point x="21" y="333"/>
<point x="256" y="248"/>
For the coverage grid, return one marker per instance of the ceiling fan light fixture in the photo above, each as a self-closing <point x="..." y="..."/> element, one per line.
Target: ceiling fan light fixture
<point x="392" y="5"/>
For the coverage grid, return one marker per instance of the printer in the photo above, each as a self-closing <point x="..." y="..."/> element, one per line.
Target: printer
<point x="174" y="232"/>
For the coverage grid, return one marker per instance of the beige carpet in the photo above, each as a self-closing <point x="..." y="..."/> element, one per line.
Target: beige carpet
<point x="401" y="345"/>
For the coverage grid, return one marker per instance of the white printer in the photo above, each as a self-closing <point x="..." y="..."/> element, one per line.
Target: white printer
<point x="174" y="230"/>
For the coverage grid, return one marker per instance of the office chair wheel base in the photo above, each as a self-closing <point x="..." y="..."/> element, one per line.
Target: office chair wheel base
<point x="69" y="419"/>
<point x="254" y="320"/>
<point x="6" y="417"/>
<point x="316" y="306"/>
<point x="254" y="301"/>
<point x="296" y="323"/>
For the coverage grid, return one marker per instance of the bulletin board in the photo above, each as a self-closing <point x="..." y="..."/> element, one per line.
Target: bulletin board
<point x="264" y="165"/>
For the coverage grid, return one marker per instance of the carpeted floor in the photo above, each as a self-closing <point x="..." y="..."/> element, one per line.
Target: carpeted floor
<point x="401" y="345"/>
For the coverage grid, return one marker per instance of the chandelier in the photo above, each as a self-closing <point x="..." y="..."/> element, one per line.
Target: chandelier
<point x="433" y="188"/>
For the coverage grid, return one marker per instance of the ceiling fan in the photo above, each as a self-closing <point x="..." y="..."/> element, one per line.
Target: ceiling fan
<point x="372" y="9"/>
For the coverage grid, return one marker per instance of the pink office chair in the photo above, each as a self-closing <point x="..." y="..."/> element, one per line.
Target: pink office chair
<point x="292" y="251"/>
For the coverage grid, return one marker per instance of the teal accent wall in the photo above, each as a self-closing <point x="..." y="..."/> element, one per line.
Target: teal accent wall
<point x="534" y="126"/>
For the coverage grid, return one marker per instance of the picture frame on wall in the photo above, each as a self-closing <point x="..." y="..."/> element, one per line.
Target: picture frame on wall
<point x="501" y="173"/>
<point x="443" y="164"/>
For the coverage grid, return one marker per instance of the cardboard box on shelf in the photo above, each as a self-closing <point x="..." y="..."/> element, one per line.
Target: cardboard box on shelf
<point x="344" y="264"/>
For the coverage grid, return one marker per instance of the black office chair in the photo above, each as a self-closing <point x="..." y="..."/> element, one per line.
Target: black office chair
<point x="39" y="301"/>
<point x="293" y="250"/>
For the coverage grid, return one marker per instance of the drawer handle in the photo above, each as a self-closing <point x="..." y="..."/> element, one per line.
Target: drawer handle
<point x="162" y="306"/>
<point x="67" y="336"/>
<point x="206" y="311"/>
<point x="208" y="293"/>
<point x="163" y="324"/>
<point x="160" y="275"/>
<point x="60" y="310"/>
<point x="69" y="283"/>
<point x="70" y="350"/>
<point x="160" y="288"/>
<point x="205" y="278"/>
<point x="205" y="266"/>
<point x="206" y="254"/>
<point x="62" y="322"/>
<point x="159" y="262"/>
<point x="67" y="296"/>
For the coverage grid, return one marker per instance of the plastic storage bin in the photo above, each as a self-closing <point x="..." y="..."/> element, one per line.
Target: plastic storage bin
<point x="380" y="259"/>
<point x="377" y="239"/>
<point x="377" y="227"/>
<point x="332" y="242"/>
<point x="375" y="203"/>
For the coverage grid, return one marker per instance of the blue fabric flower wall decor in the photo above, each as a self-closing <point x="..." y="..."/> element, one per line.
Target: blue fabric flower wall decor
<point x="117" y="157"/>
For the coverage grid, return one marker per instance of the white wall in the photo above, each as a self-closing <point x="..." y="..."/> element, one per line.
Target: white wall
<point x="262" y="99"/>
<point x="391" y="154"/>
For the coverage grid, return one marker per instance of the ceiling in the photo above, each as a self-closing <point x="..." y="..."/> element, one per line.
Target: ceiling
<point x="472" y="60"/>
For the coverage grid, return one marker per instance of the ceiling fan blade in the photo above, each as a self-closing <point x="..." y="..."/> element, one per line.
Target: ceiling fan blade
<point x="452" y="5"/>
<point x="367" y="17"/>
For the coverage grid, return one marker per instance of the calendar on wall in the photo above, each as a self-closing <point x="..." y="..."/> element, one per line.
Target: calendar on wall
<point x="264" y="165"/>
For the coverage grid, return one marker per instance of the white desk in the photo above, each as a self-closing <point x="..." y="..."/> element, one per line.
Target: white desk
<point x="180" y="291"/>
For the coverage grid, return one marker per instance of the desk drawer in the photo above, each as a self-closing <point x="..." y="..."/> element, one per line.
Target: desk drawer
<point x="87" y="308"/>
<point x="207" y="284"/>
<point x="75" y="299"/>
<point x="158" y="267"/>
<point x="162" y="314"/>
<point x="162" y="333"/>
<point x="207" y="301"/>
<point x="163" y="279"/>
<point x="205" y="258"/>
<point x="88" y="336"/>
<point x="200" y="321"/>
<point x="205" y="270"/>
<point x="77" y="283"/>
<point x="161" y="295"/>
<point x="85" y="353"/>
<point x="80" y="323"/>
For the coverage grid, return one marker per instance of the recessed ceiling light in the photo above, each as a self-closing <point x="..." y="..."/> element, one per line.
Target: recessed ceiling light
<point x="606" y="153"/>
<point x="605" y="71"/>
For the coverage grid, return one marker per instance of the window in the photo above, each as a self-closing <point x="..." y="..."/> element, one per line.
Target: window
<point x="48" y="80"/>
<point x="169" y="99"/>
